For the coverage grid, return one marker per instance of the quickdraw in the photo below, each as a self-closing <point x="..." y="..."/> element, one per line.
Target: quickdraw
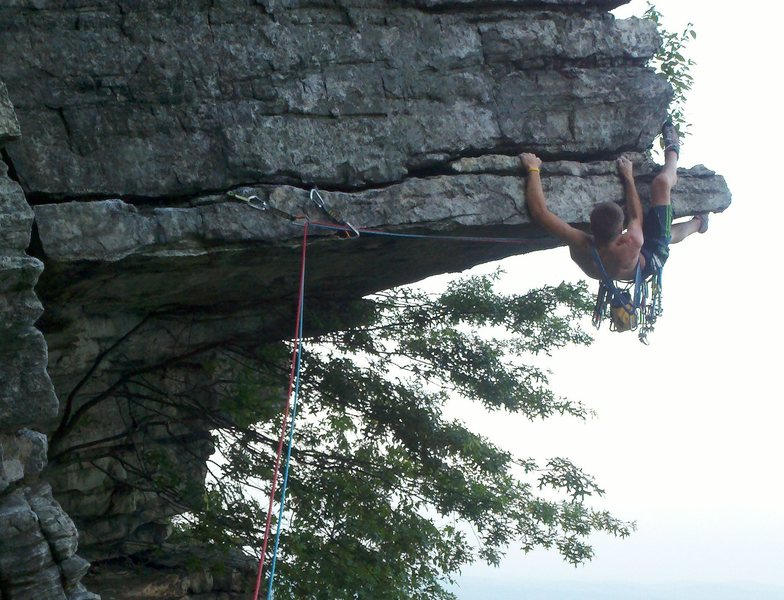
<point x="263" y="205"/>
<point x="346" y="230"/>
<point x="318" y="200"/>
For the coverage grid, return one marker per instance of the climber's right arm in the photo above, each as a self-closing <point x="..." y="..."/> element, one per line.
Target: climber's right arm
<point x="537" y="207"/>
<point x="632" y="203"/>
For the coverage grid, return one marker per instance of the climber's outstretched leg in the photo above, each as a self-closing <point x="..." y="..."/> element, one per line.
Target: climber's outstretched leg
<point x="666" y="180"/>
<point x="681" y="231"/>
<point x="668" y="176"/>
<point x="657" y="227"/>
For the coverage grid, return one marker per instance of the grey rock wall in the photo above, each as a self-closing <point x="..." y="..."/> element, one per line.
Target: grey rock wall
<point x="171" y="98"/>
<point x="37" y="539"/>
<point x="126" y="123"/>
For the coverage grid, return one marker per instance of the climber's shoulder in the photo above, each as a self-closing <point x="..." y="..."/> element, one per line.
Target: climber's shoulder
<point x="582" y="255"/>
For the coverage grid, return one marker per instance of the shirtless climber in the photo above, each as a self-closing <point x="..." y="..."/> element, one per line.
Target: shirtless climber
<point x="645" y="239"/>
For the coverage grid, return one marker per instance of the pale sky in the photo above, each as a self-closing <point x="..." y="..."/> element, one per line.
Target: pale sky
<point x="688" y="438"/>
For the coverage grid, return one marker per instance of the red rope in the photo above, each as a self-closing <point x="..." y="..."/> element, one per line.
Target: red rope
<point x="283" y="427"/>
<point x="295" y="351"/>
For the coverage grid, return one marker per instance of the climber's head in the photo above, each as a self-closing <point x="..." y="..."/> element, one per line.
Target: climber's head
<point x="606" y="222"/>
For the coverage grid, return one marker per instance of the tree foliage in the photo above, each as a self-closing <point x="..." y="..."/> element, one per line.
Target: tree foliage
<point x="387" y="496"/>
<point x="672" y="63"/>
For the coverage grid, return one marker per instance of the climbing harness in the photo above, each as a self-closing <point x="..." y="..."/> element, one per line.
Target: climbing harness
<point x="629" y="305"/>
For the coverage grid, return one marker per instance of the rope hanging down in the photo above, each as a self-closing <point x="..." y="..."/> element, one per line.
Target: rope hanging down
<point x="296" y="360"/>
<point x="293" y="377"/>
<point x="284" y="487"/>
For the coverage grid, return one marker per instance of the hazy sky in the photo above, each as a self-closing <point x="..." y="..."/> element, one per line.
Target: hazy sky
<point x="688" y="437"/>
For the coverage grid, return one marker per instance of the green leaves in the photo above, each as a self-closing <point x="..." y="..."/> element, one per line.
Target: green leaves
<point x="562" y="474"/>
<point x="676" y="68"/>
<point x="387" y="497"/>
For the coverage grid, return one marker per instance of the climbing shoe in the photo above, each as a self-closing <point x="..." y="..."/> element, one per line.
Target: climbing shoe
<point x="670" y="137"/>
<point x="703" y="219"/>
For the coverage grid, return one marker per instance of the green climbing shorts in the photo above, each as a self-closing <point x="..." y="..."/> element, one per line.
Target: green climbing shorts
<point x="657" y="232"/>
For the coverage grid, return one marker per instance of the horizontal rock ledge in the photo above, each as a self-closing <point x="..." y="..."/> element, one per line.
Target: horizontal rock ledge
<point x="113" y="230"/>
<point x="220" y="252"/>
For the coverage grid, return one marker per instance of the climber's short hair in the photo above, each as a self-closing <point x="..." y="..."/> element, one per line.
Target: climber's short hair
<point x="606" y="222"/>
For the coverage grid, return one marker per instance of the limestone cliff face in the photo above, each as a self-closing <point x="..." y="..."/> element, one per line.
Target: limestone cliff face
<point x="37" y="539"/>
<point x="163" y="98"/>
<point x="126" y="123"/>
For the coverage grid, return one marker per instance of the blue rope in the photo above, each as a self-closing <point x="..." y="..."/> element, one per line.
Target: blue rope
<point x="451" y="238"/>
<point x="287" y="463"/>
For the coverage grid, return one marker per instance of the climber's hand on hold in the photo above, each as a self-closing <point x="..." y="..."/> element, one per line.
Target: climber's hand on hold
<point x="530" y="161"/>
<point x="624" y="167"/>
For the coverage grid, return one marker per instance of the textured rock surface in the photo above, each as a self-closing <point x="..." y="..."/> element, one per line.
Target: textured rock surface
<point x="171" y="98"/>
<point x="170" y="578"/>
<point x="133" y="120"/>
<point x="9" y="126"/>
<point x="37" y="547"/>
<point x="37" y="539"/>
<point x="115" y="256"/>
<point x="22" y="455"/>
<point x="26" y="394"/>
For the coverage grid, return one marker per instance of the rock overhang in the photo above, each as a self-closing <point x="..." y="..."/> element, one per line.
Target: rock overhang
<point x="138" y="118"/>
<point x="142" y="116"/>
<point x="215" y="251"/>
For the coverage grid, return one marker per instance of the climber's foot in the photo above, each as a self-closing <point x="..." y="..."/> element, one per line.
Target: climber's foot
<point x="670" y="137"/>
<point x="703" y="219"/>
